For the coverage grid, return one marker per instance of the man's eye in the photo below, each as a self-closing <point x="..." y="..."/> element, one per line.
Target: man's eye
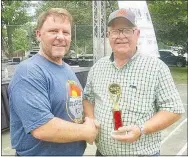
<point x="66" y="33"/>
<point x="127" y="30"/>
<point x="115" y="32"/>
<point x="53" y="31"/>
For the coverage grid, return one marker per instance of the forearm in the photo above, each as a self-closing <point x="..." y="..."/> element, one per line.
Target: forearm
<point x="160" y="121"/>
<point x="60" y="131"/>
<point x="88" y="109"/>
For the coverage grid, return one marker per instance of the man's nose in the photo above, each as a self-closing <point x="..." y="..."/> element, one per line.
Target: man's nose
<point x="60" y="36"/>
<point x="121" y="35"/>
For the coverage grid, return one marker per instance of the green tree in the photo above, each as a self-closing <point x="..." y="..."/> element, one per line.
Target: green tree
<point x="13" y="16"/>
<point x="80" y="10"/>
<point x="170" y="22"/>
<point x="20" y="35"/>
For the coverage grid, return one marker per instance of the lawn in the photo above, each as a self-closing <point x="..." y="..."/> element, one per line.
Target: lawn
<point x="179" y="74"/>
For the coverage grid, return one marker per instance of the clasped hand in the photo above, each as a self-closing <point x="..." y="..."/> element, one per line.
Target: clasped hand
<point x="93" y="129"/>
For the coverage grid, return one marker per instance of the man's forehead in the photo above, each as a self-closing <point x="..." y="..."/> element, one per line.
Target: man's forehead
<point x="56" y="21"/>
<point x="55" y="18"/>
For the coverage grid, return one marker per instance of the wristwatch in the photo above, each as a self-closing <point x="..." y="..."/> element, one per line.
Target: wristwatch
<point x="142" y="132"/>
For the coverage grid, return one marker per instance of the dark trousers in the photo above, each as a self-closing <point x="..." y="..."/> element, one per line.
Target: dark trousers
<point x="16" y="154"/>
<point x="99" y="154"/>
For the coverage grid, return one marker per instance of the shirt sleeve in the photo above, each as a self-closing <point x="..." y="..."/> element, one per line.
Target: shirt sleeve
<point x="167" y="95"/>
<point x="88" y="90"/>
<point x="30" y="101"/>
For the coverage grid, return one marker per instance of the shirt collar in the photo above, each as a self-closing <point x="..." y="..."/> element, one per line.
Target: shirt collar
<point x="134" y="56"/>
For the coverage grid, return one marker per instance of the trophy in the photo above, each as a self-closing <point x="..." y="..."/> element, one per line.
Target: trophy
<point x="115" y="92"/>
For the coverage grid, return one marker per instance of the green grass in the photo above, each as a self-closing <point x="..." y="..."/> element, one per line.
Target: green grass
<point x="179" y="74"/>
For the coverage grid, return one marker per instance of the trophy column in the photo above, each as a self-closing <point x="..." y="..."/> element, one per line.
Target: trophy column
<point x="117" y="119"/>
<point x="115" y="92"/>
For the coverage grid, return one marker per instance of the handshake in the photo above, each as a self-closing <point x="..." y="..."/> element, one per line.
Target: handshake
<point x="91" y="129"/>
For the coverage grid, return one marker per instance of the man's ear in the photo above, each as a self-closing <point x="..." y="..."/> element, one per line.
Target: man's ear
<point x="38" y="35"/>
<point x="138" y="32"/>
<point x="107" y="34"/>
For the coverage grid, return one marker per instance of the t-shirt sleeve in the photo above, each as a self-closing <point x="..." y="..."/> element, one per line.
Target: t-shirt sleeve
<point x="88" y="90"/>
<point x="167" y="95"/>
<point x="30" y="101"/>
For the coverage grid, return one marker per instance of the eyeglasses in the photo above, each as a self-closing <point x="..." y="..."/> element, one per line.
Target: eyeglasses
<point x="127" y="32"/>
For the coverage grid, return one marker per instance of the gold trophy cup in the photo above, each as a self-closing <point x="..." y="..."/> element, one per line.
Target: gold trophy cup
<point x="115" y="92"/>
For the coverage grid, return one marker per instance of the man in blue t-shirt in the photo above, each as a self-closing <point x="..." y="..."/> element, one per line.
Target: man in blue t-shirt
<point x="45" y="97"/>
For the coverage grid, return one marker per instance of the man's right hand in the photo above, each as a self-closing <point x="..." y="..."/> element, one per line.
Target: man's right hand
<point x="92" y="127"/>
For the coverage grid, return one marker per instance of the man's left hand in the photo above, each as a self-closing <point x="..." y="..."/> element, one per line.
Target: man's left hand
<point x="128" y="134"/>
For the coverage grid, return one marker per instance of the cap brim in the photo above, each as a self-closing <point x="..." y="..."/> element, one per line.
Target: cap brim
<point x="110" y="22"/>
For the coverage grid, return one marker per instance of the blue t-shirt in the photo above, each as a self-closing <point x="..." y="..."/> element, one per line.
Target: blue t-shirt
<point x="39" y="91"/>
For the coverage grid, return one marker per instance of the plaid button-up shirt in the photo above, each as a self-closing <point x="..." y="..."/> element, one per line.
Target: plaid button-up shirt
<point x="146" y="88"/>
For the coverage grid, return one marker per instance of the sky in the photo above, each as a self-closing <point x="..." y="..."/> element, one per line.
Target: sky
<point x="31" y="10"/>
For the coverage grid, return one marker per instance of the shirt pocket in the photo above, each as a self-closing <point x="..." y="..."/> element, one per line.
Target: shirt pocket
<point x="137" y="98"/>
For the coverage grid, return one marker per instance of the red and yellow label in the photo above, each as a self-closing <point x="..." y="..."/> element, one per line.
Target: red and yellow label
<point x="74" y="90"/>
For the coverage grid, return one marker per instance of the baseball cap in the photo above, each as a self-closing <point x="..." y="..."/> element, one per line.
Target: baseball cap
<point x="125" y="13"/>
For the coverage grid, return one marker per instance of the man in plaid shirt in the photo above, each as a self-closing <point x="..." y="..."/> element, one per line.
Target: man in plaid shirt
<point x="149" y="101"/>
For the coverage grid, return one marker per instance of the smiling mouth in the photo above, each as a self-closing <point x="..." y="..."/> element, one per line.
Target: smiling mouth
<point x="59" y="45"/>
<point x="121" y="43"/>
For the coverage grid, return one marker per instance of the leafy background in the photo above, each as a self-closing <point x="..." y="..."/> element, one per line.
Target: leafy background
<point x="18" y="25"/>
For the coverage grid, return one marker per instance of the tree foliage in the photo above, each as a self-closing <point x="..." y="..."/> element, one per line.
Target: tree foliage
<point x="80" y="10"/>
<point x="14" y="15"/>
<point x="20" y="41"/>
<point x="170" y="22"/>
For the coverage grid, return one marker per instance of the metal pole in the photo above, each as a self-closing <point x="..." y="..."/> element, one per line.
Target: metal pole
<point x="103" y="11"/>
<point x="75" y="39"/>
<point x="99" y="29"/>
<point x="95" y="28"/>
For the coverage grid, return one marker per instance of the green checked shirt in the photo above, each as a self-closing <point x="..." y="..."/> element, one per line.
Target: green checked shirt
<point x="147" y="87"/>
